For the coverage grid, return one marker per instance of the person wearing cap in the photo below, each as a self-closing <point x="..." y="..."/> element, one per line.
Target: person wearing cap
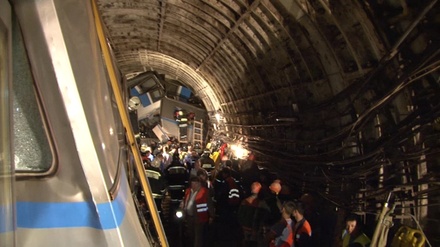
<point x="250" y="215"/>
<point x="198" y="213"/>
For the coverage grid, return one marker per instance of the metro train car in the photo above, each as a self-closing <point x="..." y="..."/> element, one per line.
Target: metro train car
<point x="68" y="153"/>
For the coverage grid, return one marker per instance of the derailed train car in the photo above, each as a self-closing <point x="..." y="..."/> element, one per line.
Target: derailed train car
<point x="68" y="157"/>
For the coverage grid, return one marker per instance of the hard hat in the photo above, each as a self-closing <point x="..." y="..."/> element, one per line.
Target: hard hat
<point x="275" y="187"/>
<point x="255" y="187"/>
<point x="144" y="148"/>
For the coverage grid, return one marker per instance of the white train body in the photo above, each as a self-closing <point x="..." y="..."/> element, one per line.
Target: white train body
<point x="65" y="162"/>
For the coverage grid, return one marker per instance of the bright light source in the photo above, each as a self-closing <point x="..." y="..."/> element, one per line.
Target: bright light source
<point x="239" y="151"/>
<point x="179" y="213"/>
<point x="217" y="116"/>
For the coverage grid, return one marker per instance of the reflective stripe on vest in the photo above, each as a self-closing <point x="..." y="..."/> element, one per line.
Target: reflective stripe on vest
<point x="201" y="203"/>
<point x="234" y="193"/>
<point x="202" y="207"/>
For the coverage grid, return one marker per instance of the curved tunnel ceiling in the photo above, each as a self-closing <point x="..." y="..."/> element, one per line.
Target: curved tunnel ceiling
<point x="318" y="89"/>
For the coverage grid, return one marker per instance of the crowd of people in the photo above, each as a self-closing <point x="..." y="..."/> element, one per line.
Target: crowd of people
<point x="254" y="209"/>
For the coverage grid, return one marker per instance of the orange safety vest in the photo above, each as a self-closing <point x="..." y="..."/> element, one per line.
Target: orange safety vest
<point x="286" y="240"/>
<point x="201" y="202"/>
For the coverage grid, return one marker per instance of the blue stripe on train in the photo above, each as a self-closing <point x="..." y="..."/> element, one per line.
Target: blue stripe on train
<point x="145" y="101"/>
<point x="74" y="214"/>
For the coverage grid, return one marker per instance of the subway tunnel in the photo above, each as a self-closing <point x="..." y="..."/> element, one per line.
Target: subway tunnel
<point x="339" y="98"/>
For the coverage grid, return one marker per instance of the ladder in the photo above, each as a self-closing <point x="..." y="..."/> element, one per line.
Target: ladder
<point x="183" y="130"/>
<point x="197" y="134"/>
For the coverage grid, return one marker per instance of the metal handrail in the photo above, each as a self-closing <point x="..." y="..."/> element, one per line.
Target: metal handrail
<point x="127" y="125"/>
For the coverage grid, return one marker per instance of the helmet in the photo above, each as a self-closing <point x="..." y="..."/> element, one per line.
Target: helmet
<point x="144" y="148"/>
<point x="255" y="187"/>
<point x="275" y="187"/>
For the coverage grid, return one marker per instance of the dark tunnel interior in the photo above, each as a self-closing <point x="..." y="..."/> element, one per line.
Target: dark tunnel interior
<point x="339" y="98"/>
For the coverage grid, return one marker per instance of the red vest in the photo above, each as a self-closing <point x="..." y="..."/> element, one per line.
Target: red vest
<point x="201" y="202"/>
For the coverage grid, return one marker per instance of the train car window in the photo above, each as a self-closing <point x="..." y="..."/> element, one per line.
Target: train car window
<point x="119" y="149"/>
<point x="32" y="150"/>
<point x="113" y="172"/>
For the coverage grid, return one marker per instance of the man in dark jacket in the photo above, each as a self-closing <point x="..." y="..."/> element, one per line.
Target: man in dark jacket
<point x="207" y="163"/>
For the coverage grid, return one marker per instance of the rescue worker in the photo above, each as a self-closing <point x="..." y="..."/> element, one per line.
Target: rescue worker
<point x="234" y="173"/>
<point x="198" y="213"/>
<point x="190" y="160"/>
<point x="353" y="232"/>
<point x="176" y="175"/>
<point x="302" y="231"/>
<point x="158" y="162"/>
<point x="250" y="216"/>
<point x="203" y="175"/>
<point x="227" y="196"/>
<point x="206" y="162"/>
<point x="146" y="154"/>
<point x="281" y="234"/>
<point x="146" y="151"/>
<point x="158" y="185"/>
<point x="274" y="204"/>
<point x="167" y="157"/>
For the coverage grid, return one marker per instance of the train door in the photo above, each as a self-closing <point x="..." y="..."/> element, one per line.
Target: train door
<point x="7" y="203"/>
